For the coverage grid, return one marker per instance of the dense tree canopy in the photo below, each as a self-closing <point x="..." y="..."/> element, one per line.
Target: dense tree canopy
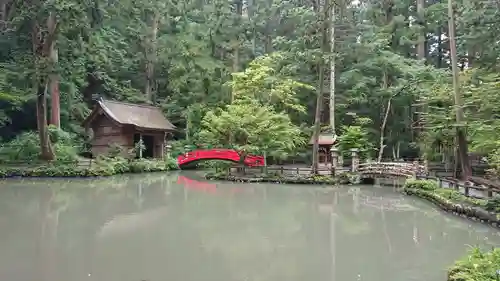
<point x="193" y="58"/>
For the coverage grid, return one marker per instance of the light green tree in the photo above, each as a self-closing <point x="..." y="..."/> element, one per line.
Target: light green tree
<point x="250" y="127"/>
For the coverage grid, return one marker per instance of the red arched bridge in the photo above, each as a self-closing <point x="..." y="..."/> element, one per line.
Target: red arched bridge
<point x="218" y="154"/>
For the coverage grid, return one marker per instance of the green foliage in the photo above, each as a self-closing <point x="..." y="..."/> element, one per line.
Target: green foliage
<point x="215" y="164"/>
<point x="481" y="91"/>
<point x="421" y="184"/>
<point x="273" y="178"/>
<point x="263" y="81"/>
<point x="493" y="204"/>
<point x="250" y="127"/>
<point x="443" y="193"/>
<point x="269" y="54"/>
<point x="26" y="147"/>
<point x="115" y="150"/>
<point x="178" y="147"/>
<point x="478" y="265"/>
<point x="458" y="197"/>
<point x="356" y="136"/>
<point x="102" y="167"/>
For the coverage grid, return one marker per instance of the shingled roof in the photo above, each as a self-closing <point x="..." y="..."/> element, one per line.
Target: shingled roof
<point x="138" y="115"/>
<point x="324" y="139"/>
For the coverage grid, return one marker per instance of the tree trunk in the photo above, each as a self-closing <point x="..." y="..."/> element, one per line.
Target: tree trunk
<point x="471" y="56"/>
<point x="93" y="80"/>
<point x="151" y="57"/>
<point x="421" y="37"/>
<point x="384" y="123"/>
<point x="439" y="56"/>
<point x="42" y="44"/>
<point x="421" y="55"/>
<point x="459" y="113"/>
<point x="236" y="42"/>
<point x="41" y="117"/>
<point x="268" y="45"/>
<point x="321" y="88"/>
<point x="332" y="70"/>
<point x="54" y="90"/>
<point x="250" y="14"/>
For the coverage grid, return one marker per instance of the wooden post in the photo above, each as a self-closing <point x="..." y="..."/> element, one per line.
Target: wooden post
<point x="335" y="154"/>
<point x="466" y="188"/>
<point x="265" y="162"/>
<point x="355" y="160"/>
<point x="489" y="191"/>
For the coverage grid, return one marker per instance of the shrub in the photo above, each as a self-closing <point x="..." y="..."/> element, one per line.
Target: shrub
<point x="26" y="147"/>
<point x="458" y="197"/>
<point x="104" y="166"/>
<point x="477" y="266"/>
<point x="215" y="164"/>
<point x="421" y="184"/>
<point x="115" y="150"/>
<point x="493" y="204"/>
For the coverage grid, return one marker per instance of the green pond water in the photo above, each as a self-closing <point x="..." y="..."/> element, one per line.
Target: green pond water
<point x="178" y="227"/>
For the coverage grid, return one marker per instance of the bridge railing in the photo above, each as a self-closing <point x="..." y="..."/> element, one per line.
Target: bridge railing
<point x="403" y="169"/>
<point x="280" y="170"/>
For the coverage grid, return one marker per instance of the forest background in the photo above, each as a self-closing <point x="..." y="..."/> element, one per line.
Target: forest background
<point x="378" y="73"/>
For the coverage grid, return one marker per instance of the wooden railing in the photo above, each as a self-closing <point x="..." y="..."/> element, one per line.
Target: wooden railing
<point x="474" y="187"/>
<point x="280" y="170"/>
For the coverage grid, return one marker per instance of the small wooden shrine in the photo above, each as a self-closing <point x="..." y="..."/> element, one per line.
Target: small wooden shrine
<point x="124" y="124"/>
<point x="325" y="141"/>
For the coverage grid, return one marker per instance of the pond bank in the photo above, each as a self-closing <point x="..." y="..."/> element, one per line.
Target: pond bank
<point x="477" y="265"/>
<point x="99" y="168"/>
<point x="343" y="178"/>
<point x="486" y="211"/>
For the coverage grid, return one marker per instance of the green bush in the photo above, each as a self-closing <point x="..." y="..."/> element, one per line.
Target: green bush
<point x="477" y="266"/>
<point x="26" y="147"/>
<point x="458" y="197"/>
<point x="102" y="167"/>
<point x="493" y="204"/>
<point x="215" y="164"/>
<point x="421" y="184"/>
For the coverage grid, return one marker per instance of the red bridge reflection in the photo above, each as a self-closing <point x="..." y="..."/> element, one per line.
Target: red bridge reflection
<point x="202" y="186"/>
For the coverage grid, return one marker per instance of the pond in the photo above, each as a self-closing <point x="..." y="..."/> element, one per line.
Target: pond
<point x="178" y="227"/>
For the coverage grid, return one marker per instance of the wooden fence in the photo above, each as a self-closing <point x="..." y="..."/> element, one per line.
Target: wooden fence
<point x="474" y="187"/>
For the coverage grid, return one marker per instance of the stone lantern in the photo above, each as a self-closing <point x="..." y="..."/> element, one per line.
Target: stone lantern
<point x="335" y="157"/>
<point x="355" y="159"/>
<point x="168" y="149"/>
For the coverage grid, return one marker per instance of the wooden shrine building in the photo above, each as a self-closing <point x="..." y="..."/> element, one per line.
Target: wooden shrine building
<point x="124" y="124"/>
<point x="325" y="141"/>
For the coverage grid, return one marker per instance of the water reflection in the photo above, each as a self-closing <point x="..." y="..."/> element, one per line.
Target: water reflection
<point x="180" y="227"/>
